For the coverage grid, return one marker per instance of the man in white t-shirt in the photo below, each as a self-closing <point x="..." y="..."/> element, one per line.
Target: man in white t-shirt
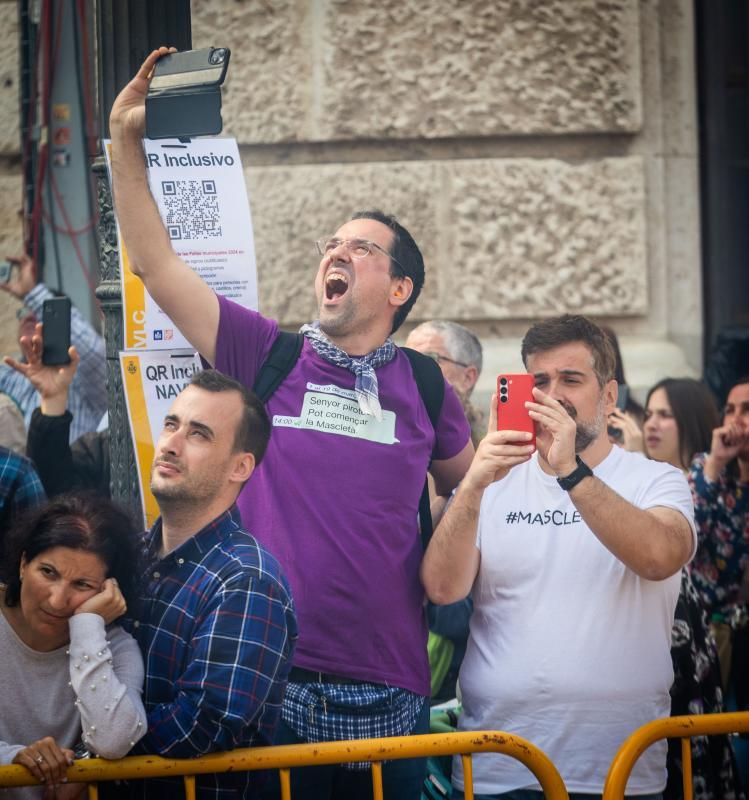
<point x="573" y="550"/>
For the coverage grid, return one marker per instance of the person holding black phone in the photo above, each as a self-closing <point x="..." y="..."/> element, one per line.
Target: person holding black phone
<point x="63" y="466"/>
<point x="88" y="391"/>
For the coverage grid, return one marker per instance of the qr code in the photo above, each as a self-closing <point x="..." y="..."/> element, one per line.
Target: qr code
<point x="191" y="209"/>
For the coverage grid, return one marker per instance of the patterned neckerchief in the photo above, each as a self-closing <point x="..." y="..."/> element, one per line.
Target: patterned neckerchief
<point x="363" y="367"/>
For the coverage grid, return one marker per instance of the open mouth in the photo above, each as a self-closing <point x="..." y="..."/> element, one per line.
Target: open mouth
<point x="336" y="285"/>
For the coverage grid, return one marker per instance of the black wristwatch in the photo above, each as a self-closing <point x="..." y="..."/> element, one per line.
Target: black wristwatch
<point x="582" y="470"/>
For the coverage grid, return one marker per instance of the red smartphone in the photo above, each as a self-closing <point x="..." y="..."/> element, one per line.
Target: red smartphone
<point x="513" y="391"/>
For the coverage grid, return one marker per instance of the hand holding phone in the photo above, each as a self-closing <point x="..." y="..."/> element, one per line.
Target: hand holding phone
<point x="513" y="391"/>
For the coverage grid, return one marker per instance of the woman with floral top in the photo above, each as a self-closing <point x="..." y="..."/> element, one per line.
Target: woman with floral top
<point x="680" y="416"/>
<point x="720" y="485"/>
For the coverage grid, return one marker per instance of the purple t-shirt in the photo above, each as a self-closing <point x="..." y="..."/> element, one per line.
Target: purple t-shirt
<point x="336" y="501"/>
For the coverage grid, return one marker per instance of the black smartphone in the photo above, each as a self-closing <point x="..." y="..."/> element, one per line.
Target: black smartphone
<point x="184" y="98"/>
<point x="56" y="331"/>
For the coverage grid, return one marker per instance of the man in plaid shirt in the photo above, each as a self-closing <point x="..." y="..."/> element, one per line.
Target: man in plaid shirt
<point x="20" y="487"/>
<point x="215" y="621"/>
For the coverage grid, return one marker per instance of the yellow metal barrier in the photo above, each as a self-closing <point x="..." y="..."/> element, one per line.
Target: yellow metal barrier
<point x="284" y="757"/>
<point x="669" y="728"/>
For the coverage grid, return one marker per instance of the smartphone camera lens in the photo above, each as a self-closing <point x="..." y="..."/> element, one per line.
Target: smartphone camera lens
<point x="503" y="398"/>
<point x="217" y="56"/>
<point x="503" y="381"/>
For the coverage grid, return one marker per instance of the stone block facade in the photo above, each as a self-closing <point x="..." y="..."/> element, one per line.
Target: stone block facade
<point x="502" y="238"/>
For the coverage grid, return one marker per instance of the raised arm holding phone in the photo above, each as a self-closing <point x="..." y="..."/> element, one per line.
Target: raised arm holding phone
<point x="371" y="411"/>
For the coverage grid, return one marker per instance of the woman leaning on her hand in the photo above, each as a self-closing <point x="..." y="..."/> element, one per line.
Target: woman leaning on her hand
<point x="68" y="676"/>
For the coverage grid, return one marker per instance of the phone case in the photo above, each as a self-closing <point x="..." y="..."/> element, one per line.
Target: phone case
<point x="181" y="115"/>
<point x="513" y="391"/>
<point x="190" y="69"/>
<point x="56" y="321"/>
<point x="184" y="98"/>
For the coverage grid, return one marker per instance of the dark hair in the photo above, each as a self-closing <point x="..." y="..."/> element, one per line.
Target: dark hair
<point x="253" y="432"/>
<point x="82" y="521"/>
<point x="406" y="253"/>
<point x="695" y="412"/>
<point x="555" y="332"/>
<point x="738" y="382"/>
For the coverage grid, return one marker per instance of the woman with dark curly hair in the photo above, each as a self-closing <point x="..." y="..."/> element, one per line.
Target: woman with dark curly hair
<point x="69" y="676"/>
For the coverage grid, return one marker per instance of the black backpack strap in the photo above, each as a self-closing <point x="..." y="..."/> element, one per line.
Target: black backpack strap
<point x="431" y="385"/>
<point x="428" y="376"/>
<point x="281" y="359"/>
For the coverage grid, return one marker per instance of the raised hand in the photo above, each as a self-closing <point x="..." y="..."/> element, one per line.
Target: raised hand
<point x="556" y="439"/>
<point x="632" y="439"/>
<point x="129" y="108"/>
<point x="24" y="277"/>
<point x="497" y="453"/>
<point x="52" y="382"/>
<point x="726" y="443"/>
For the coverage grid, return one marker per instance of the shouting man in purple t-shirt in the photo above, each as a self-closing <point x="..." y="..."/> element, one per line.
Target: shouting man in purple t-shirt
<point x="336" y="498"/>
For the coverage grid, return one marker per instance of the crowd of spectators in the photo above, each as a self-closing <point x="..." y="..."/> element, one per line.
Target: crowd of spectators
<point x="578" y="582"/>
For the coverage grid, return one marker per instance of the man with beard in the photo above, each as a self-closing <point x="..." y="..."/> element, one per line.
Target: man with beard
<point x="215" y="620"/>
<point x="573" y="553"/>
<point x="337" y="496"/>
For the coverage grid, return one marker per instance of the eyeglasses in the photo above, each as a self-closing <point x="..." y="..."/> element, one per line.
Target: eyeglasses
<point x="357" y="248"/>
<point x="440" y="358"/>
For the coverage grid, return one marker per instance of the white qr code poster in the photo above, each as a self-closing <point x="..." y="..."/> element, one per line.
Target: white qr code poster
<point x="200" y="191"/>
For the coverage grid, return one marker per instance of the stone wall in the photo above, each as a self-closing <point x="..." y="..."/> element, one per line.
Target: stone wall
<point x="11" y="186"/>
<point x="543" y="154"/>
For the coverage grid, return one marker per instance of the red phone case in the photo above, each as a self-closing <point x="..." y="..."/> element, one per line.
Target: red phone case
<point x="513" y="391"/>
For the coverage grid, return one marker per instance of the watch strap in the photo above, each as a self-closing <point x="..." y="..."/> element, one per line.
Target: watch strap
<point x="582" y="470"/>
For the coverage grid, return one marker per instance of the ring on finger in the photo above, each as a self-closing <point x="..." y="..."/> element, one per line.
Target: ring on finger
<point x="39" y="758"/>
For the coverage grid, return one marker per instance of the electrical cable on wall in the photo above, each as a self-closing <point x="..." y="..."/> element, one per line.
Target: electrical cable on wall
<point x="47" y="214"/>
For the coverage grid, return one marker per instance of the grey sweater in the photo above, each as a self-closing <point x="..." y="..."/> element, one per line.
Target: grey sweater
<point x="90" y="688"/>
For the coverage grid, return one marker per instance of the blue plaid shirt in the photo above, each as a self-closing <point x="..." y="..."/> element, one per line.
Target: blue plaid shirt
<point x="328" y="712"/>
<point x="20" y="487"/>
<point x="217" y="628"/>
<point x="87" y="398"/>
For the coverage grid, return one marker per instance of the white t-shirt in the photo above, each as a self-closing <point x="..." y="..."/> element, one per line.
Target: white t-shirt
<point x="568" y="647"/>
